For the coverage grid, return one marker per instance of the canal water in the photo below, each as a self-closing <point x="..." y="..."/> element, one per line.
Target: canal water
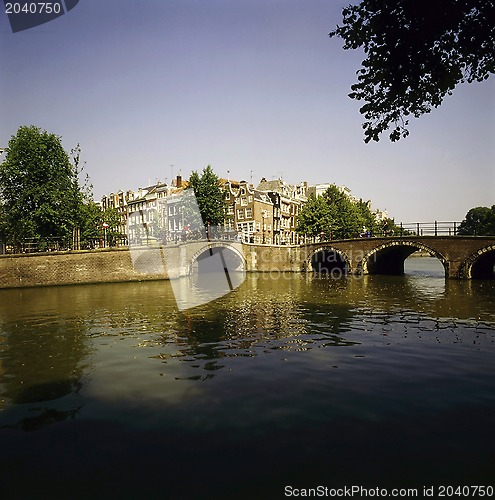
<point x="108" y="391"/>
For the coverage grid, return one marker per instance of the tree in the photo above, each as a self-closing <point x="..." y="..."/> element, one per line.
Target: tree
<point x="111" y="217"/>
<point x="335" y="215"/>
<point x="210" y="196"/>
<point x="39" y="188"/>
<point x="347" y="221"/>
<point x="92" y="217"/>
<point x="479" y="221"/>
<point x="314" y="219"/>
<point x="416" y="53"/>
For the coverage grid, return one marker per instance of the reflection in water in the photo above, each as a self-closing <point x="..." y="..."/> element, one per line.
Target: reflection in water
<point x="420" y="265"/>
<point x="43" y="418"/>
<point x="41" y="345"/>
<point x="300" y="373"/>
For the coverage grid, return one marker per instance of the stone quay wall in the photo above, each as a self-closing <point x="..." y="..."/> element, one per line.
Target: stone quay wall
<point x="118" y="265"/>
<point x="68" y="268"/>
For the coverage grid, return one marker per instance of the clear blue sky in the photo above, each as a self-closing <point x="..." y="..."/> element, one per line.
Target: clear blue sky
<point x="245" y="85"/>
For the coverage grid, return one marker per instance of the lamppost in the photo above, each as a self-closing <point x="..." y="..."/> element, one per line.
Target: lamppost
<point x="105" y="226"/>
<point x="264" y="215"/>
<point x="2" y="243"/>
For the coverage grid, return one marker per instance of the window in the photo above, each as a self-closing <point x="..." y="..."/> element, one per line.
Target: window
<point x="230" y="210"/>
<point x="240" y="214"/>
<point x="250" y="199"/>
<point x="244" y="201"/>
<point x="249" y="213"/>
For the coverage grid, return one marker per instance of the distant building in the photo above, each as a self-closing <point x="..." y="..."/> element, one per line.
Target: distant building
<point x="380" y="215"/>
<point x="319" y="189"/>
<point x="287" y="200"/>
<point x="119" y="202"/>
<point x="249" y="212"/>
<point x="266" y="214"/>
<point x="154" y="212"/>
<point x="143" y="206"/>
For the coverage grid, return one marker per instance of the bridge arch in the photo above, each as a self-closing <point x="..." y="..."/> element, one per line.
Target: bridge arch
<point x="328" y="260"/>
<point x="231" y="257"/>
<point x="480" y="265"/>
<point x="389" y="257"/>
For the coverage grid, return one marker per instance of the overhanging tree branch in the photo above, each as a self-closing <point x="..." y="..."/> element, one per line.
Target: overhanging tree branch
<point x="417" y="51"/>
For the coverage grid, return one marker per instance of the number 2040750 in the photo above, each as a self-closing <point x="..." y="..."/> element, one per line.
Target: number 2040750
<point x="33" y="8"/>
<point x="465" y="491"/>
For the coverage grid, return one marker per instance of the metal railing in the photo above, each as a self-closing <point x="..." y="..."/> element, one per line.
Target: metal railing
<point x="57" y="244"/>
<point x="32" y="245"/>
<point x="436" y="228"/>
<point x="54" y="244"/>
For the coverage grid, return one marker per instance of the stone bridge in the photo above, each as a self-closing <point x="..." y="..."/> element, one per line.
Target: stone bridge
<point x="461" y="256"/>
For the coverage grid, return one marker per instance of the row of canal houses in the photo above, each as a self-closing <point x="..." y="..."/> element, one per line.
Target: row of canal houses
<point x="266" y="214"/>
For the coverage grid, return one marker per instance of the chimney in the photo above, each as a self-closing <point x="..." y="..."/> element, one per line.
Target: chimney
<point x="178" y="182"/>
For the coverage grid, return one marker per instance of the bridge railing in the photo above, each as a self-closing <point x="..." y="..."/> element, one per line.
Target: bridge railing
<point x="436" y="228"/>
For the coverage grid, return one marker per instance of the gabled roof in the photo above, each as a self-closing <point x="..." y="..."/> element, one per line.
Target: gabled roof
<point x="273" y="185"/>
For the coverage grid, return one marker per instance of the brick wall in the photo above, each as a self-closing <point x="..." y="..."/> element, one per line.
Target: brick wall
<point x="98" y="266"/>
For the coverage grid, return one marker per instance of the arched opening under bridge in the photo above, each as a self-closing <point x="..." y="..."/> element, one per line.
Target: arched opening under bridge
<point x="217" y="259"/>
<point x="422" y="263"/>
<point x="482" y="266"/>
<point x="390" y="259"/>
<point x="329" y="262"/>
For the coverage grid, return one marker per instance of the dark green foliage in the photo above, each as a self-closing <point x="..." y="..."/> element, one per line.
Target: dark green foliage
<point x="335" y="216"/>
<point x="112" y="218"/>
<point x="347" y="221"/>
<point x="315" y="218"/>
<point x="210" y="196"/>
<point x="417" y="51"/>
<point x="40" y="192"/>
<point x="479" y="221"/>
<point x="91" y="216"/>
